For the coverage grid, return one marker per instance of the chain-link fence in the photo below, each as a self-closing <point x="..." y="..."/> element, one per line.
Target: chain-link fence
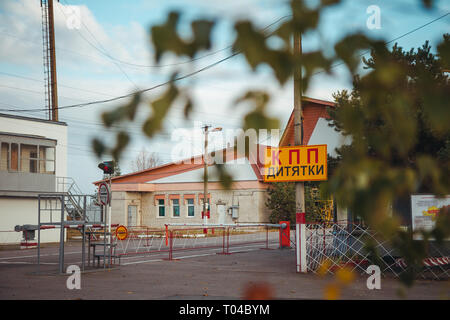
<point x="333" y="246"/>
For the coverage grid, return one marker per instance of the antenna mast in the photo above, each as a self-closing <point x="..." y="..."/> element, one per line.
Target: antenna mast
<point x="49" y="59"/>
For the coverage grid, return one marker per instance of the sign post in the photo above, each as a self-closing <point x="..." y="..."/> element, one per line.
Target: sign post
<point x="298" y="163"/>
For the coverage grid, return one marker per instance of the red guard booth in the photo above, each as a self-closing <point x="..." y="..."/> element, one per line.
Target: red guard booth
<point x="285" y="235"/>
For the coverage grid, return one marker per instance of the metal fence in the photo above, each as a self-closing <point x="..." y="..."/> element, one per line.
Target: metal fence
<point x="333" y="246"/>
<point x="146" y="241"/>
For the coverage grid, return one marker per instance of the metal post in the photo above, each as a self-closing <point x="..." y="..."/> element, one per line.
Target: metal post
<point x="300" y="234"/>
<point x="89" y="248"/>
<point x="298" y="136"/>
<point x="228" y="240"/>
<point x="83" y="230"/>
<point x="223" y="240"/>
<point x="109" y="220"/>
<point x="61" y="237"/>
<point x="104" y="239"/>
<point x="39" y="233"/>
<point x="170" y="244"/>
<point x="205" y="170"/>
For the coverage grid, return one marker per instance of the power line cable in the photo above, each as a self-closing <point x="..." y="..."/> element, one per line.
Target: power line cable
<point x="175" y="79"/>
<point x="196" y="72"/>
<point x="104" y="51"/>
<point x="138" y="91"/>
<point x="176" y="63"/>
<point x="388" y="42"/>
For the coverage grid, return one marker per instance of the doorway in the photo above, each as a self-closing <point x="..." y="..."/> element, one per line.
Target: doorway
<point x="221" y="211"/>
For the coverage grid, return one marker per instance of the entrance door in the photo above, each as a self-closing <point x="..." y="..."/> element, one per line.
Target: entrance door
<point x="132" y="216"/>
<point x="221" y="211"/>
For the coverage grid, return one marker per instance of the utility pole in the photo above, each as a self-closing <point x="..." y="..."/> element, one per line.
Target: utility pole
<point x="298" y="120"/>
<point x="205" y="170"/>
<point x="48" y="34"/>
<point x="205" y="166"/>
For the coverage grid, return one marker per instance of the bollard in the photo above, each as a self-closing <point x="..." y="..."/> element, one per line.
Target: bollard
<point x="300" y="239"/>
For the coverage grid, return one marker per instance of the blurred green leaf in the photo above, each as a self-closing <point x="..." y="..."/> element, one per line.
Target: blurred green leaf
<point x="443" y="50"/>
<point x="165" y="37"/>
<point x="257" y="118"/>
<point x="312" y="62"/>
<point x="122" y="140"/>
<point x="304" y="18"/>
<point x="225" y="178"/>
<point x="126" y="112"/>
<point x="325" y="3"/>
<point x="253" y="45"/>
<point x="188" y="107"/>
<point x="348" y="50"/>
<point x="201" y="30"/>
<point x="160" y="108"/>
<point x="99" y="147"/>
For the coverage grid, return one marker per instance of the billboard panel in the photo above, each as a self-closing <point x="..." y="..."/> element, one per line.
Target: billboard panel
<point x="425" y="210"/>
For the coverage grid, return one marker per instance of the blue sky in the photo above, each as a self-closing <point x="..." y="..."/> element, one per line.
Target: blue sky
<point x="120" y="28"/>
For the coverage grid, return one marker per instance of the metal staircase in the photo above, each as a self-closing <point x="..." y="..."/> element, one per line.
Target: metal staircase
<point x="72" y="201"/>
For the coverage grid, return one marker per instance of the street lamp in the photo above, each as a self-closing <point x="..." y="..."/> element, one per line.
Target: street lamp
<point x="206" y="129"/>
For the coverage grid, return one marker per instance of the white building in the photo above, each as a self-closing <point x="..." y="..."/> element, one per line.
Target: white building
<point x="33" y="152"/>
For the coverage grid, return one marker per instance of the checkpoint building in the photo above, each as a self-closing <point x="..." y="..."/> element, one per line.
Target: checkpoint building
<point x="173" y="193"/>
<point x="33" y="153"/>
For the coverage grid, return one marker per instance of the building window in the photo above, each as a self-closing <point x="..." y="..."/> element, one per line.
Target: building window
<point x="176" y="207"/>
<point x="4" y="156"/>
<point x="190" y="207"/>
<point x="14" y="164"/>
<point x="161" y="208"/>
<point x="132" y="216"/>
<point x="28" y="158"/>
<point x="46" y="159"/>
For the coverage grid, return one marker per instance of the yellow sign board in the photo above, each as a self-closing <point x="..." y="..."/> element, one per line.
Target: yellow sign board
<point x="299" y="163"/>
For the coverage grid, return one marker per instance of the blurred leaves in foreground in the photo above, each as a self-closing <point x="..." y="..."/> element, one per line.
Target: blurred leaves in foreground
<point x="397" y="116"/>
<point x="397" y="113"/>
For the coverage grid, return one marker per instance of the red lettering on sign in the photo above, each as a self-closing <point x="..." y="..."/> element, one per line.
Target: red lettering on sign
<point x="276" y="156"/>
<point x="290" y="156"/>
<point x="316" y="151"/>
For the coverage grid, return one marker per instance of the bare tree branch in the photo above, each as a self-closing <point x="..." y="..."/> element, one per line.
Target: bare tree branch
<point x="145" y="160"/>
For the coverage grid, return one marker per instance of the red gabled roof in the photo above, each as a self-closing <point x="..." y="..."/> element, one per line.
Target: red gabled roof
<point x="189" y="164"/>
<point x="313" y="109"/>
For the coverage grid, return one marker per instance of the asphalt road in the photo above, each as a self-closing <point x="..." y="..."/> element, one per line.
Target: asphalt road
<point x="199" y="274"/>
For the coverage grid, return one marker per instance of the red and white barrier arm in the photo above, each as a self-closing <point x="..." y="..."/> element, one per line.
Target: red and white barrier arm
<point x="428" y="262"/>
